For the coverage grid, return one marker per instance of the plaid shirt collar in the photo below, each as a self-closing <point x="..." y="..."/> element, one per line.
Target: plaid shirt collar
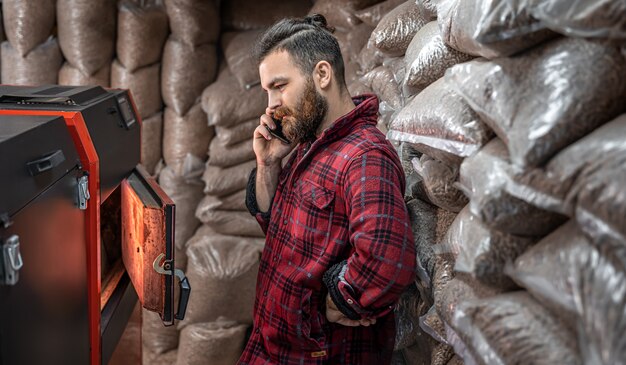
<point x="366" y="111"/>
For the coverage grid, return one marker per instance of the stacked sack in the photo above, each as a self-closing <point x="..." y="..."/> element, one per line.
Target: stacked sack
<point x="141" y="32"/>
<point x="87" y="35"/>
<point x="223" y="254"/>
<point x="525" y="144"/>
<point x="177" y="76"/>
<point x="31" y="53"/>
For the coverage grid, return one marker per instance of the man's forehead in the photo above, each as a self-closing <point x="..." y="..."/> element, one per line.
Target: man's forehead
<point x="276" y="65"/>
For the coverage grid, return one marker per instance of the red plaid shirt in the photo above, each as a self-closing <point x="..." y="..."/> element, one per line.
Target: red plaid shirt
<point x="339" y="198"/>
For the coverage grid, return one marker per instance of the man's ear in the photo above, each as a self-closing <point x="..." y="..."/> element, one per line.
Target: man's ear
<point x="323" y="74"/>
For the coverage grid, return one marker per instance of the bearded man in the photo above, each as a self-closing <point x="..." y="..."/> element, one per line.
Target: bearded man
<point x="339" y="249"/>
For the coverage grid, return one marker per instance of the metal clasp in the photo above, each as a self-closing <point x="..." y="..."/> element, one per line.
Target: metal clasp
<point x="83" y="192"/>
<point x="11" y="261"/>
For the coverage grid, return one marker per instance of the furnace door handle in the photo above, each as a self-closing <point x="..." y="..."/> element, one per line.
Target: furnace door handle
<point x="46" y="163"/>
<point x="185" y="292"/>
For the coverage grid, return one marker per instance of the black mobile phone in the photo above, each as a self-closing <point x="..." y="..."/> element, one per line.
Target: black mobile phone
<point x="278" y="131"/>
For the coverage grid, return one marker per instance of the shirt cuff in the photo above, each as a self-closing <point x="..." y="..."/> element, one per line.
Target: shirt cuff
<point x="336" y="284"/>
<point x="251" y="203"/>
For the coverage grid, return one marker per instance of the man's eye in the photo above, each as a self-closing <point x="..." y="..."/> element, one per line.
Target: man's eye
<point x="281" y="86"/>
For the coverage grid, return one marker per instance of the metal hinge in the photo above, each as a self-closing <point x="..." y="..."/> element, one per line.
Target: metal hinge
<point x="10" y="261"/>
<point x="83" y="192"/>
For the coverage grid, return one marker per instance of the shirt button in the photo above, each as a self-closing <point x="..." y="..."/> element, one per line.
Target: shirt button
<point x="350" y="301"/>
<point x="285" y="222"/>
<point x="275" y="258"/>
<point x="256" y="330"/>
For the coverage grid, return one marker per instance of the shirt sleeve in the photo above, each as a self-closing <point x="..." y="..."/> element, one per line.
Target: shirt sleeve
<point x="262" y="217"/>
<point x="369" y="283"/>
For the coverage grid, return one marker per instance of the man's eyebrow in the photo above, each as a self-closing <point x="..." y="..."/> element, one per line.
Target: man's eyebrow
<point x="277" y="80"/>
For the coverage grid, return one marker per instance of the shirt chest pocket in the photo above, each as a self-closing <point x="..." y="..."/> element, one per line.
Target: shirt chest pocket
<point x="313" y="217"/>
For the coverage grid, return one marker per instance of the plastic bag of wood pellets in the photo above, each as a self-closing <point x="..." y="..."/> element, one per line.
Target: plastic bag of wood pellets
<point x="235" y="201"/>
<point x="513" y="329"/>
<point x="357" y="87"/>
<point x="226" y="104"/>
<point x="141" y="34"/>
<point x="483" y="252"/>
<point x="224" y="155"/>
<point x="338" y="15"/>
<point x="423" y="218"/>
<point x="144" y="86"/>
<point x="185" y="135"/>
<point x="407" y="312"/>
<point x="396" y="29"/>
<point x="87" y="32"/>
<point x="186" y="191"/>
<point x="186" y="71"/>
<point x="428" y="58"/>
<point x="535" y="102"/>
<point x="568" y="272"/>
<point x="156" y="337"/>
<point x="485" y="178"/>
<point x="39" y="67"/>
<point x="439" y="123"/>
<point x="194" y="22"/>
<point x="489" y="28"/>
<point x="382" y="81"/>
<point x="598" y="19"/>
<point x="151" y="141"/>
<point x="223" y="181"/>
<point x="352" y="42"/>
<point x="237" y="133"/>
<point x="214" y="343"/>
<point x="445" y="219"/>
<point x="430" y="6"/>
<point x="441" y="354"/>
<point x="239" y="52"/>
<point x="373" y="14"/>
<point x="439" y="182"/>
<point x="229" y="222"/>
<point x="569" y="173"/>
<point x="70" y="75"/>
<point x="432" y="325"/>
<point x="456" y="360"/>
<point x="370" y="57"/>
<point x="223" y="271"/>
<point x="28" y="23"/>
<point x="150" y="358"/>
<point x="259" y="14"/>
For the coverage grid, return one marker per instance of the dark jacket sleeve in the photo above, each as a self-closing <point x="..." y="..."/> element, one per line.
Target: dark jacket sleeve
<point x="262" y="217"/>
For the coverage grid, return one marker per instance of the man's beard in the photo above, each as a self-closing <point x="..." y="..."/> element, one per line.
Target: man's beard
<point x="302" y="123"/>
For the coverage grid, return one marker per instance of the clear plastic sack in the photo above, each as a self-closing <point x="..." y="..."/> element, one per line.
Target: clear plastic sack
<point x="338" y="15"/>
<point x="194" y="22"/>
<point x="407" y="313"/>
<point x="28" y="23"/>
<point x="373" y="14"/>
<point x="86" y="31"/>
<point x="141" y="33"/>
<point x="150" y="358"/>
<point x="370" y="57"/>
<point x="489" y="28"/>
<point x="229" y="222"/>
<point x="229" y="155"/>
<point x="226" y="104"/>
<point x="223" y="181"/>
<point x="439" y="123"/>
<point x="235" y="201"/>
<point x="185" y="135"/>
<point x="238" y="48"/>
<point x="144" y="84"/>
<point x="423" y="217"/>
<point x="486" y="178"/>
<point x="482" y="252"/>
<point x="70" y="75"/>
<point x="156" y="337"/>
<point x="237" y="133"/>
<point x="186" y="72"/>
<point x="151" y="141"/>
<point x="259" y="14"/>
<point x="222" y="271"/>
<point x="440" y="183"/>
<point x="383" y="83"/>
<point x="427" y="58"/>
<point x="215" y="343"/>
<point x="513" y="328"/>
<point x="580" y="18"/>
<point x="40" y="66"/>
<point x="432" y="325"/>
<point x="396" y="29"/>
<point x="543" y="100"/>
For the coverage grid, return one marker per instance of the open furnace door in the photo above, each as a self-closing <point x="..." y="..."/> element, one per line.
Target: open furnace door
<point x="148" y="246"/>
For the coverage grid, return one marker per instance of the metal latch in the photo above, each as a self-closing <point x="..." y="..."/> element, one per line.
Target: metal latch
<point x="83" y="192"/>
<point x="165" y="268"/>
<point x="10" y="261"/>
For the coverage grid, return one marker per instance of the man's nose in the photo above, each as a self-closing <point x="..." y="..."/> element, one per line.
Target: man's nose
<point x="273" y="101"/>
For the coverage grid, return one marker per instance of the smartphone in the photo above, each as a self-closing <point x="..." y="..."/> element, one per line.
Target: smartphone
<point x="278" y="132"/>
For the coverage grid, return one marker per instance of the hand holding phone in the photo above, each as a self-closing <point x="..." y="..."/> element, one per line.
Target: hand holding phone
<point x="278" y="131"/>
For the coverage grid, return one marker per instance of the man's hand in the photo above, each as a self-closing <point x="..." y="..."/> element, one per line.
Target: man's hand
<point x="269" y="151"/>
<point x="334" y="315"/>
